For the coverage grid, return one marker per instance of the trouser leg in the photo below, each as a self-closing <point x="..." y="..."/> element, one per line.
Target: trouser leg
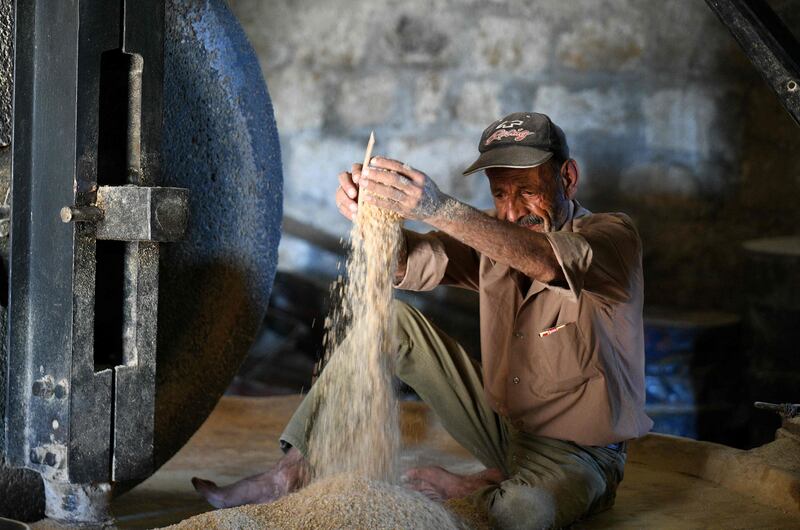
<point x="450" y="382"/>
<point x="552" y="483"/>
<point x="298" y="430"/>
<point x="444" y="376"/>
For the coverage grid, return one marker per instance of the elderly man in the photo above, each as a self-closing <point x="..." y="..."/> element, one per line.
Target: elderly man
<point x="560" y="387"/>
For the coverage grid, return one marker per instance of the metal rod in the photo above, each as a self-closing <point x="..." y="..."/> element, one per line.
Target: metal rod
<point x="787" y="410"/>
<point x="81" y="214"/>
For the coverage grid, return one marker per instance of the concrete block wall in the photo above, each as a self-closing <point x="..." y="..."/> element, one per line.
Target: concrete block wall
<point x="665" y="116"/>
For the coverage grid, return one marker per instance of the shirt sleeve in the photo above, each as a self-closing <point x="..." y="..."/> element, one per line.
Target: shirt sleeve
<point x="601" y="257"/>
<point x="438" y="259"/>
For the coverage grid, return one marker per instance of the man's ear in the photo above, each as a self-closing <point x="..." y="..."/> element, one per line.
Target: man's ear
<point x="570" y="174"/>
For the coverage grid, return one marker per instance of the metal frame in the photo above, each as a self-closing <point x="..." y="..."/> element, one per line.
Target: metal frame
<point x="80" y="425"/>
<point x="768" y="44"/>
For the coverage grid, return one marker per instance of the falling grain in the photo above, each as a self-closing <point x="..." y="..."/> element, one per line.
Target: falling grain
<point x="354" y="432"/>
<point x="355" y="425"/>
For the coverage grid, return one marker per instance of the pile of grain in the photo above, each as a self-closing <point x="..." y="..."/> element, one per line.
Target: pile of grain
<point x="355" y="425"/>
<point x="468" y="514"/>
<point x="340" y="501"/>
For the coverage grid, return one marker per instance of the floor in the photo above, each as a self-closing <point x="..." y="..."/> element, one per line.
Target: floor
<point x="239" y="439"/>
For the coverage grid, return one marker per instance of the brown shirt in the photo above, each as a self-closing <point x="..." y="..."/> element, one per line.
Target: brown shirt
<point x="583" y="380"/>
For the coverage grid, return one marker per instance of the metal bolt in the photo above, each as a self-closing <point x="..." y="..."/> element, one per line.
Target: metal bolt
<point x="61" y="389"/>
<point x="516" y="380"/>
<point x="82" y="214"/>
<point x="43" y="388"/>
<point x="50" y="459"/>
<point x="792" y="86"/>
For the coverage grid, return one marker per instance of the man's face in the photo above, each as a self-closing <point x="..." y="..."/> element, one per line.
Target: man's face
<point x="534" y="198"/>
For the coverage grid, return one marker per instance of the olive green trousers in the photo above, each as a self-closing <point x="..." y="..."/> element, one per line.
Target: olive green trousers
<point x="551" y="483"/>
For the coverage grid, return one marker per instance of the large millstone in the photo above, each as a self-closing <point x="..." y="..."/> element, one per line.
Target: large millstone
<point x="220" y="142"/>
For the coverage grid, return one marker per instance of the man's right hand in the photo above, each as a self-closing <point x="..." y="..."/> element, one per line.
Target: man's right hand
<point x="347" y="193"/>
<point x="347" y="202"/>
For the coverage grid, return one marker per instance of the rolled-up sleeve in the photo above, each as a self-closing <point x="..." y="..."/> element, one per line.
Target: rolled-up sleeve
<point x="600" y="257"/>
<point x="437" y="259"/>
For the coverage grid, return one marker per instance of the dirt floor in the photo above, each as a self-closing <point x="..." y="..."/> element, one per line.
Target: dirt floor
<point x="659" y="491"/>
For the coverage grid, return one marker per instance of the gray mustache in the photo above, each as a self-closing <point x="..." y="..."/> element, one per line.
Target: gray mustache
<point x="530" y="220"/>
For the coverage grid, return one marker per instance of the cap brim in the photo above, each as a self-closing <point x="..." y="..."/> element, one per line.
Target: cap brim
<point x="510" y="156"/>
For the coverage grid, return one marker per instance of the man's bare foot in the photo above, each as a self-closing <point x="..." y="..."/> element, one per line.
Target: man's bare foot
<point x="288" y="475"/>
<point x="438" y="484"/>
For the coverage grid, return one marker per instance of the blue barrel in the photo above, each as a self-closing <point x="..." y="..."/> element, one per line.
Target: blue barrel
<point x="693" y="374"/>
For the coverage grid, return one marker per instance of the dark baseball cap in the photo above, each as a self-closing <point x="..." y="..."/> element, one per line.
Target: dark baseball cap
<point x="519" y="140"/>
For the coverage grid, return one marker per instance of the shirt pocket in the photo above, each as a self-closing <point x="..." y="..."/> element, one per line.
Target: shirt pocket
<point x="566" y="359"/>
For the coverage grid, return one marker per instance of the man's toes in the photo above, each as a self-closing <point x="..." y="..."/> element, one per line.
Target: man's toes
<point x="210" y="491"/>
<point x="432" y="493"/>
<point x="425" y="488"/>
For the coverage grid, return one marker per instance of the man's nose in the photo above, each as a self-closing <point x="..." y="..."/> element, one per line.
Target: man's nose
<point x="515" y="211"/>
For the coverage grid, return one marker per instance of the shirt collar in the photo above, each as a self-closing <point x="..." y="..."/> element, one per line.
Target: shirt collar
<point x="575" y="211"/>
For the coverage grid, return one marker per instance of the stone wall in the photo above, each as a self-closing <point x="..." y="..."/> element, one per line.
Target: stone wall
<point x="666" y="117"/>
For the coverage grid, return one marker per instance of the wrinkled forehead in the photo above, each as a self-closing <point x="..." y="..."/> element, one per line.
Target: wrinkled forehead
<point x="501" y="177"/>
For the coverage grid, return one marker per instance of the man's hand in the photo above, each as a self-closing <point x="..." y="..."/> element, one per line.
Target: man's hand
<point x="347" y="193"/>
<point x="398" y="187"/>
<point x="347" y="202"/>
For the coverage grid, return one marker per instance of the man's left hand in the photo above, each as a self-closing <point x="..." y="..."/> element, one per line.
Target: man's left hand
<point x="395" y="186"/>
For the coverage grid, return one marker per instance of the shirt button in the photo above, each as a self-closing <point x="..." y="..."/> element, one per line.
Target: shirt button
<point x="518" y="335"/>
<point x="516" y="380"/>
